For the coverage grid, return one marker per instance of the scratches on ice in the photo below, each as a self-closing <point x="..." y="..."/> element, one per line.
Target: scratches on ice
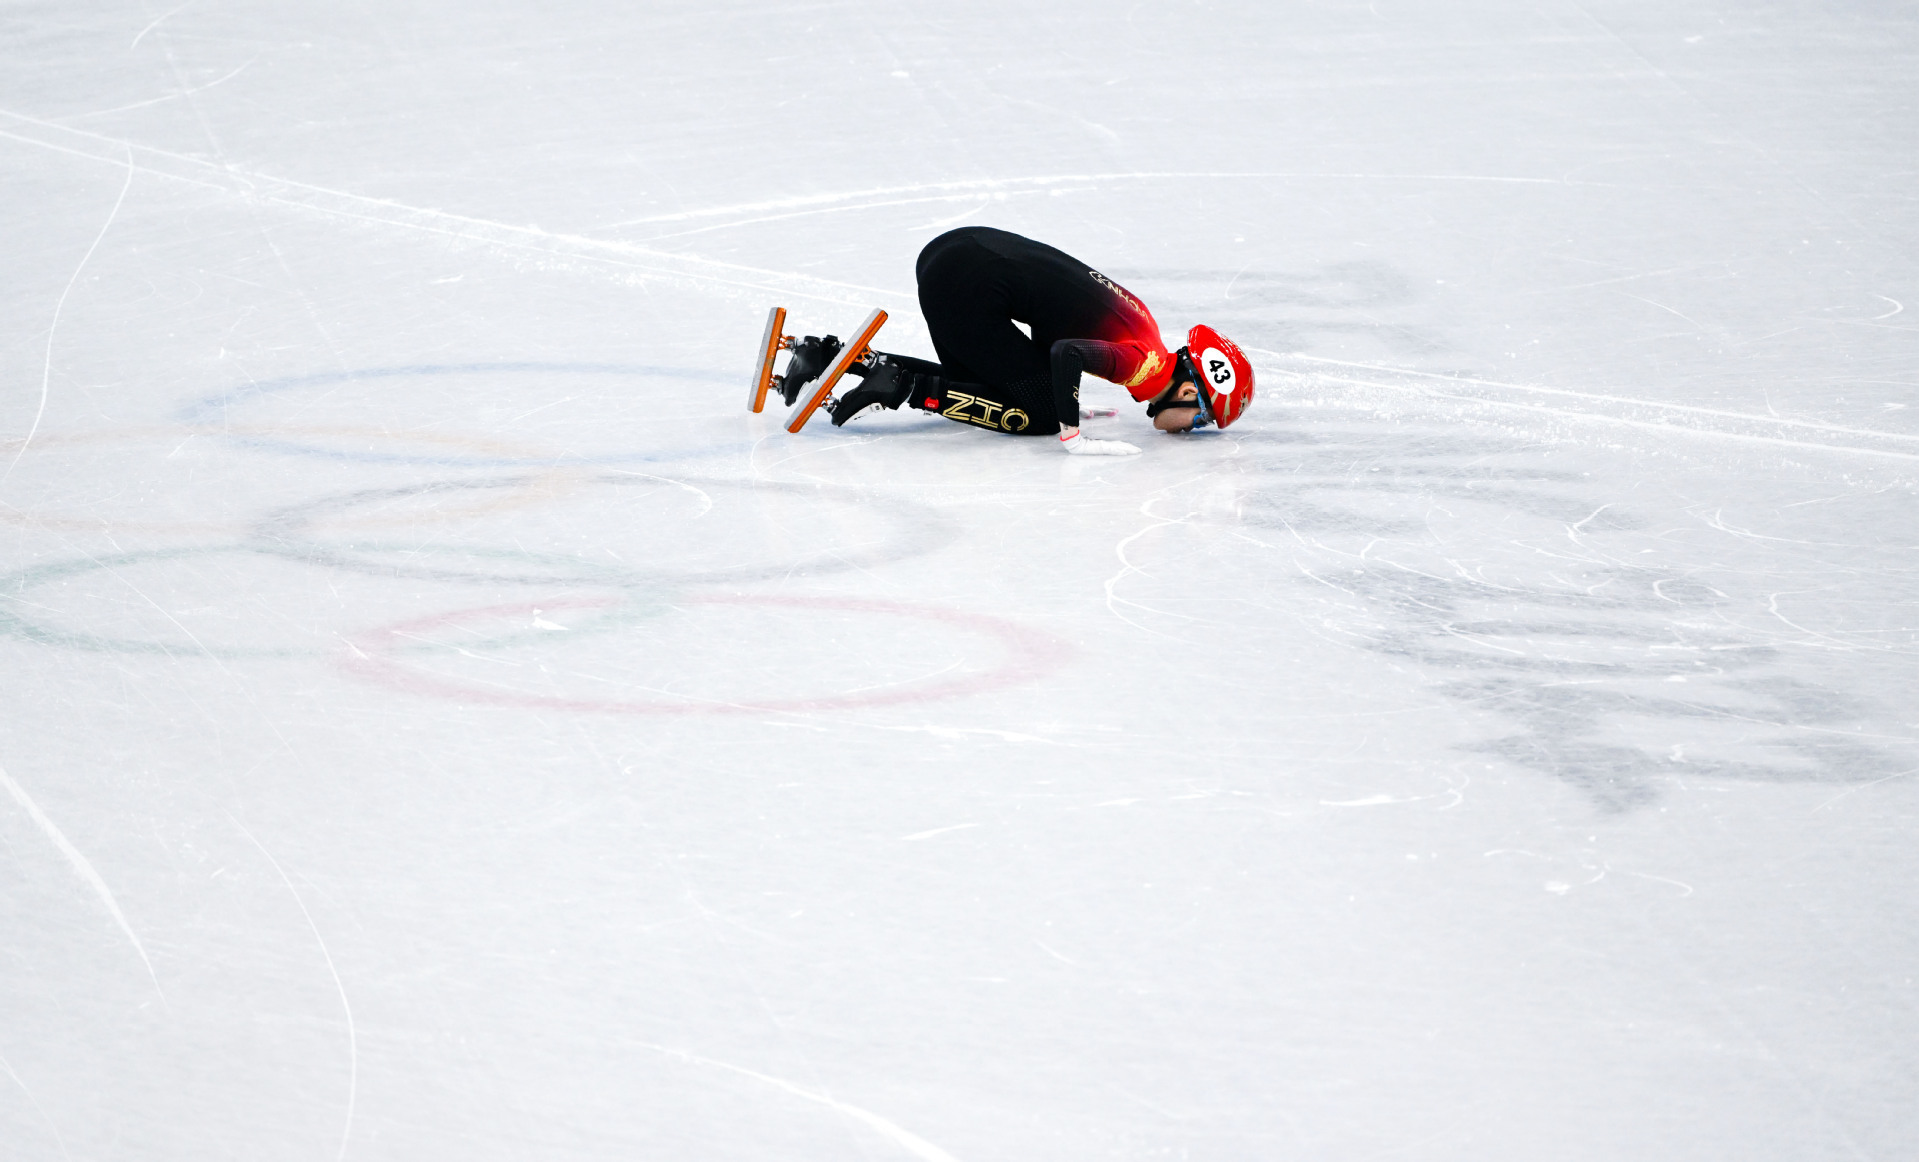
<point x="1686" y="889"/>
<point x="912" y="1143"/>
<point x="83" y="869"/>
<point x="1564" y="404"/>
<point x="978" y="187"/>
<point x="1048" y="950"/>
<point x="622" y="259"/>
<point x="1128" y="568"/>
<point x="168" y="96"/>
<point x="956" y="733"/>
<point x="1454" y="794"/>
<point x="937" y="831"/>
<point x="1863" y="786"/>
<point x="352" y="1033"/>
<point x="46" y="367"/>
<point x="1368" y="801"/>
<point x="58" y="1139"/>
<point x="1599" y="872"/>
<point x="157" y="21"/>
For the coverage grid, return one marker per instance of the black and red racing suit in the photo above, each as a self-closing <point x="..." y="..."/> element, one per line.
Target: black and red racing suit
<point x="976" y="282"/>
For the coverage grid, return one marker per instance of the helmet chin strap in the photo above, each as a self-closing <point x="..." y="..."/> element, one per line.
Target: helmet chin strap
<point x="1183" y="373"/>
<point x="1168" y="400"/>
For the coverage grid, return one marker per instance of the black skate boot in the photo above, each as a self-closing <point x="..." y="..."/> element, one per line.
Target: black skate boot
<point x="811" y="356"/>
<point x="885" y="383"/>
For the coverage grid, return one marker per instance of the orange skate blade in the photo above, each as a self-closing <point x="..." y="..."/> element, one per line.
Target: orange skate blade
<point x="769" y="348"/>
<point x="852" y="351"/>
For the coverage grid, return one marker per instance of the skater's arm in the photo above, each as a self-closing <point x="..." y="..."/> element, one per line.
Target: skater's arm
<point x="1122" y="363"/>
<point x="1117" y="362"/>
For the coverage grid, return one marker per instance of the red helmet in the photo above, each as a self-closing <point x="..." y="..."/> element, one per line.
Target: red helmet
<point x="1220" y="370"/>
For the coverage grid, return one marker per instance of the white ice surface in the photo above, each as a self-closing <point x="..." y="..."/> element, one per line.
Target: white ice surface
<point x="441" y="723"/>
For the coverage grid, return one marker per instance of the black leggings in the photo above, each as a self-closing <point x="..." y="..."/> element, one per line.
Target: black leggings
<point x="1025" y="407"/>
<point x="1007" y="376"/>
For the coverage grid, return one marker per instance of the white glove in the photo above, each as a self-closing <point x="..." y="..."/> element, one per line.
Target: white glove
<point x="1079" y="445"/>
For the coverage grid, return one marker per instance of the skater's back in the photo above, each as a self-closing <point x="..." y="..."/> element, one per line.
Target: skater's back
<point x="998" y="273"/>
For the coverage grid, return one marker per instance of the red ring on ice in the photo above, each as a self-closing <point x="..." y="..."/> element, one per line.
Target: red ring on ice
<point x="1030" y="654"/>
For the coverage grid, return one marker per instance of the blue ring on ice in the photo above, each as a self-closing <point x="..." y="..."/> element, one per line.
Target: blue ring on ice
<point x="211" y="410"/>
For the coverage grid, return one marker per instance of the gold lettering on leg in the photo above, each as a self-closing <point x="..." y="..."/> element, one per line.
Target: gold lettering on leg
<point x="956" y="410"/>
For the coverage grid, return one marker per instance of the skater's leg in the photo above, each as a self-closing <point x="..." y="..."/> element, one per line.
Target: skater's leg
<point x="889" y="383"/>
<point x="977" y="342"/>
<point x="985" y="405"/>
<point x="916" y="366"/>
<point x="811" y="356"/>
<point x="969" y="314"/>
<point x="886" y="382"/>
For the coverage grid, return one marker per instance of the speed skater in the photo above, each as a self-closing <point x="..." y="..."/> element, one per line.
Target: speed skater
<point x="976" y="284"/>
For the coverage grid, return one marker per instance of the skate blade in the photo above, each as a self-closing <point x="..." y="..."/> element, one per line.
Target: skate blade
<point x="847" y="356"/>
<point x="770" y="345"/>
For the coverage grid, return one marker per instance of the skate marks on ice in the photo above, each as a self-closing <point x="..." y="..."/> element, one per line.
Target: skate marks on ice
<point x="622" y="260"/>
<point x="1620" y="667"/>
<point x="339" y="986"/>
<point x="1281" y="316"/>
<point x="53" y="328"/>
<point x="985" y="191"/>
<point x="912" y="1143"/>
<point x="1625" y="633"/>
<point x="1490" y="397"/>
<point x="83" y="867"/>
<point x="295" y="406"/>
